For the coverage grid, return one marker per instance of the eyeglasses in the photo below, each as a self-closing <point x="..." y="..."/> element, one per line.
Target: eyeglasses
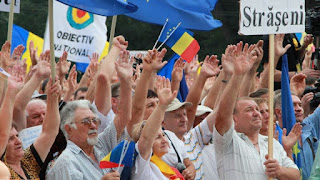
<point x="88" y="121"/>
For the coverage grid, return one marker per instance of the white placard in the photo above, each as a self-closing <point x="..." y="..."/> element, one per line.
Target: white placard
<point x="29" y="135"/>
<point x="271" y="17"/>
<point x="5" y="6"/>
<point x="77" y="32"/>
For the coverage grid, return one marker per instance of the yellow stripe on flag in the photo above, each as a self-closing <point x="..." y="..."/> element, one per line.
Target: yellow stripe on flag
<point x="38" y="43"/>
<point x="182" y="44"/>
<point x="105" y="51"/>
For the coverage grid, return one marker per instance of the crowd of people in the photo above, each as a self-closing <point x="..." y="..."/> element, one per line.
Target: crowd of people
<point x="220" y="131"/>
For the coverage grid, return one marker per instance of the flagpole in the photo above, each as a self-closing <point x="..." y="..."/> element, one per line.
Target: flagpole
<point x="10" y="21"/>
<point x="52" y="56"/>
<point x="113" y="29"/>
<point x="271" y="92"/>
<point x="154" y="46"/>
<point x="168" y="36"/>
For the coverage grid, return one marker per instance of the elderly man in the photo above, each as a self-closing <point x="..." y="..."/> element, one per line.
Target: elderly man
<point x="241" y="151"/>
<point x="35" y="112"/>
<point x="80" y="123"/>
<point x="309" y="140"/>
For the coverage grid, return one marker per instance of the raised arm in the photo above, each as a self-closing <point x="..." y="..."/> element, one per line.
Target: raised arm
<point x="223" y="117"/>
<point x="107" y="67"/>
<point x="124" y="71"/>
<point x="153" y="124"/>
<point x="63" y="67"/>
<point x="42" y="72"/>
<point x="209" y="68"/>
<point x="176" y="75"/>
<point x="51" y="122"/>
<point x="150" y="66"/>
<point x="72" y="84"/>
<point x="6" y="110"/>
<point x="279" y="50"/>
<point x="222" y="80"/>
<point x="249" y="78"/>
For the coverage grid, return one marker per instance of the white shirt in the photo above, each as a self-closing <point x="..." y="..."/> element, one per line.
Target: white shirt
<point x="171" y="157"/>
<point x="145" y="170"/>
<point x="209" y="162"/>
<point x="236" y="156"/>
<point x="195" y="140"/>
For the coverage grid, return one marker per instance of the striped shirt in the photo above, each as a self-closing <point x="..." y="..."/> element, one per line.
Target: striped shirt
<point x="195" y="141"/>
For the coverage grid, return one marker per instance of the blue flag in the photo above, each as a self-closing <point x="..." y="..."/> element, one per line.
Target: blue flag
<point x="102" y="7"/>
<point x="192" y="14"/>
<point x="288" y="117"/>
<point x="167" y="70"/>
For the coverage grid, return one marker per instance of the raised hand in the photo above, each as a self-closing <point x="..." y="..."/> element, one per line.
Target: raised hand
<point x="289" y="141"/>
<point x="279" y="50"/>
<point x="33" y="54"/>
<point x="63" y="65"/>
<point x="227" y="60"/>
<point x="164" y="91"/>
<point x="210" y="66"/>
<point x="124" y="66"/>
<point x="298" y="83"/>
<point x="307" y="60"/>
<point x="259" y="51"/>
<point x="192" y="68"/>
<point x="151" y="62"/>
<point x="307" y="40"/>
<point x="94" y="58"/>
<point x="305" y="103"/>
<point x="6" y="61"/>
<point x="72" y="79"/>
<point x="17" y="52"/>
<point x="54" y="89"/>
<point x="43" y="67"/>
<point x="177" y="71"/>
<point x="241" y="63"/>
<point x="15" y="84"/>
<point x="120" y="43"/>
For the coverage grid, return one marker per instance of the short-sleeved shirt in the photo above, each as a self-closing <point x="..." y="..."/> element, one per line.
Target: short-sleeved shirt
<point x="237" y="157"/>
<point x="195" y="141"/>
<point x="31" y="164"/>
<point x="73" y="163"/>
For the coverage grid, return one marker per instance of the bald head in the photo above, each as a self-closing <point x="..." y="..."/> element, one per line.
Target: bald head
<point x="35" y="112"/>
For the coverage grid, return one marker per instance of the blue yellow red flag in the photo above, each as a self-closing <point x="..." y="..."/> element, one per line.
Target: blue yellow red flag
<point x="113" y="159"/>
<point x="102" y="7"/>
<point x="180" y="41"/>
<point x="24" y="37"/>
<point x="192" y="14"/>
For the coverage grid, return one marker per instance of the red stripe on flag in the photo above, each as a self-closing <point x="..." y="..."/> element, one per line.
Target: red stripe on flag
<point x="191" y="51"/>
<point x="108" y="164"/>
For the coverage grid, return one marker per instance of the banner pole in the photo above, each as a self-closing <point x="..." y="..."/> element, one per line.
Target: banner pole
<point x="271" y="93"/>
<point x="113" y="29"/>
<point x="10" y="21"/>
<point x="52" y="56"/>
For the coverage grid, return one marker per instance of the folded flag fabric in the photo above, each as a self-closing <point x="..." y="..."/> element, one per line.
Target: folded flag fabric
<point x="180" y="41"/>
<point x="192" y="14"/>
<point x="102" y="7"/>
<point x="24" y="37"/>
<point x="123" y="153"/>
<point x="166" y="170"/>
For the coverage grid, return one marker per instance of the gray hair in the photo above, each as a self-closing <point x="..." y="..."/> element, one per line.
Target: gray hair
<point x="68" y="111"/>
<point x="32" y="101"/>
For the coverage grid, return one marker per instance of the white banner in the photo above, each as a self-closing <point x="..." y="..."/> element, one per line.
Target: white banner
<point x="271" y="16"/>
<point x="5" y="6"/>
<point x="29" y="135"/>
<point x="77" y="32"/>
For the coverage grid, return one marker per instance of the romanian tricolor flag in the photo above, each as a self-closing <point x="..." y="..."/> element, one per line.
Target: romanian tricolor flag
<point x="24" y="37"/>
<point x="122" y="154"/>
<point x="168" y="171"/>
<point x="180" y="41"/>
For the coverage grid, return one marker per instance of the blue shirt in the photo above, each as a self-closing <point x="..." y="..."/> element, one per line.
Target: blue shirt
<point x="74" y="163"/>
<point x="311" y="131"/>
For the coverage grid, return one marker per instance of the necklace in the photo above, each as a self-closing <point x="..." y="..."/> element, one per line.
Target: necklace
<point x="256" y="144"/>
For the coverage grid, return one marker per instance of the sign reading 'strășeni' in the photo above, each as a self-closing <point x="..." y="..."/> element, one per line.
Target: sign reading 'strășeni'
<point x="259" y="17"/>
